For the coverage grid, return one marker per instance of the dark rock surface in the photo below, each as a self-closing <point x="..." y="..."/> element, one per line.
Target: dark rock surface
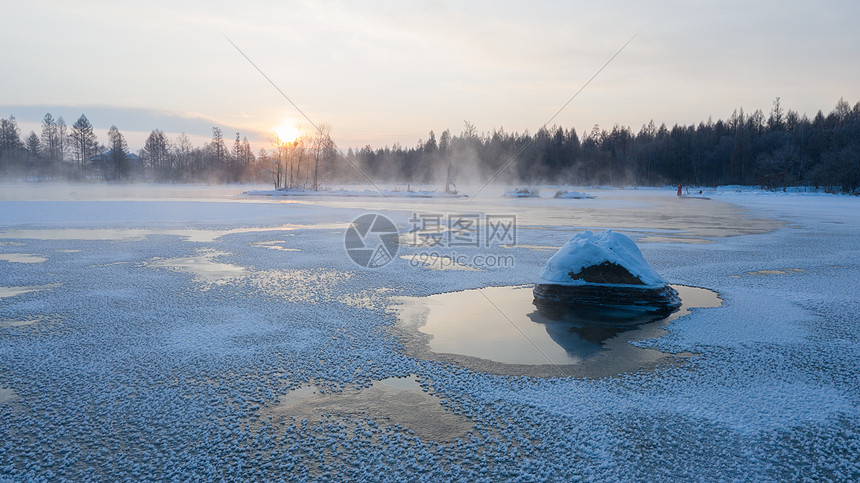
<point x="589" y="299"/>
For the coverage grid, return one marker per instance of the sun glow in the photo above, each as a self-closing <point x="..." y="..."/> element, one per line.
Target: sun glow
<point x="287" y="133"/>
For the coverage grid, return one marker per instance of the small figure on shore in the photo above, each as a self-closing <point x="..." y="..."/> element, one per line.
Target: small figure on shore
<point x="680" y="189"/>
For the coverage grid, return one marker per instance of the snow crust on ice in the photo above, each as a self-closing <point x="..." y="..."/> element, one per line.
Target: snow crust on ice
<point x="587" y="249"/>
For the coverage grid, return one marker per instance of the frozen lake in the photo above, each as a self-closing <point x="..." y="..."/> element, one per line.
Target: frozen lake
<point x="193" y="332"/>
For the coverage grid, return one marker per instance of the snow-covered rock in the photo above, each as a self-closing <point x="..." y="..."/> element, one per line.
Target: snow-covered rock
<point x="523" y="193"/>
<point x="604" y="270"/>
<point x="572" y="195"/>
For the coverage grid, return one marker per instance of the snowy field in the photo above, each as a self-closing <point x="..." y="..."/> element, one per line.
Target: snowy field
<point x="174" y="332"/>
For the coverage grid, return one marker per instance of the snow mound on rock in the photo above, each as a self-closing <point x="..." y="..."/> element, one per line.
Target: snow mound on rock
<point x="607" y="251"/>
<point x="523" y="193"/>
<point x="572" y="195"/>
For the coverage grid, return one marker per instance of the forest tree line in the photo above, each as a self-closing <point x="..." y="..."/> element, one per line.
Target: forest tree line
<point x="74" y="153"/>
<point x="773" y="150"/>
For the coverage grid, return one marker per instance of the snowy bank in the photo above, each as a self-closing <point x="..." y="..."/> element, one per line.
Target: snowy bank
<point x="381" y="193"/>
<point x="523" y="193"/>
<point x="572" y="195"/>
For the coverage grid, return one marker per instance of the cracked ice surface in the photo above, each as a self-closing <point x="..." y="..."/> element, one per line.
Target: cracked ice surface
<point x="166" y="355"/>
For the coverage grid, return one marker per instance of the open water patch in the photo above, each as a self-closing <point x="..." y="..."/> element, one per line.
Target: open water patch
<point x="199" y="235"/>
<point x="13" y="291"/>
<point x="782" y="271"/>
<point x="14" y="323"/>
<point x="274" y="245"/>
<point x="22" y="258"/>
<point x="675" y="239"/>
<point x="499" y="330"/>
<point x="203" y="267"/>
<point x="7" y="395"/>
<point x="394" y="402"/>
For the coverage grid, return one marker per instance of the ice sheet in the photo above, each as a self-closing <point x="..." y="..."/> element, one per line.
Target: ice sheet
<point x="145" y="375"/>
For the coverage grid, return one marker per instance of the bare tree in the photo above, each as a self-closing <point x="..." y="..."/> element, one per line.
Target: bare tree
<point x="218" y="149"/>
<point x="51" y="141"/>
<point x="182" y="157"/>
<point x="11" y="147"/>
<point x="247" y="156"/>
<point x="296" y="156"/>
<point x="157" y="154"/>
<point x="323" y="150"/>
<point x="84" y="142"/>
<point x="236" y="159"/>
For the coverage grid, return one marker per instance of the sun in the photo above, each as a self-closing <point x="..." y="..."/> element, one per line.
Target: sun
<point x="287" y="133"/>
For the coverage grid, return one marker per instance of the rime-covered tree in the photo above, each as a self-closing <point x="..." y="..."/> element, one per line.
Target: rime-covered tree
<point x="62" y="140"/>
<point x="444" y="142"/>
<point x="84" y="142"/>
<point x="323" y="151"/>
<point x="776" y="121"/>
<point x="33" y="150"/>
<point x="11" y="146"/>
<point x="236" y="159"/>
<point x="183" y="157"/>
<point x="49" y="132"/>
<point x="218" y="150"/>
<point x="54" y="140"/>
<point x="156" y="153"/>
<point x="247" y="156"/>
<point x="117" y="154"/>
<point x="33" y="145"/>
<point x="247" y="153"/>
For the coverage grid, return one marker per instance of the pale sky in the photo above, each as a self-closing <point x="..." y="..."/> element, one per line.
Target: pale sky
<point x="390" y="71"/>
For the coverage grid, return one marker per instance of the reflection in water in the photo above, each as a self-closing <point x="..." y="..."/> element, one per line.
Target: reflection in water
<point x="274" y="245"/>
<point x="203" y="266"/>
<point x="502" y="324"/>
<point x="13" y="291"/>
<point x="22" y="258"/>
<point x="7" y="395"/>
<point x="675" y="239"/>
<point x="137" y="234"/>
<point x="392" y="401"/>
<point x="539" y="248"/>
<point x="784" y="271"/>
<point x="595" y="326"/>
<point x="19" y="323"/>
